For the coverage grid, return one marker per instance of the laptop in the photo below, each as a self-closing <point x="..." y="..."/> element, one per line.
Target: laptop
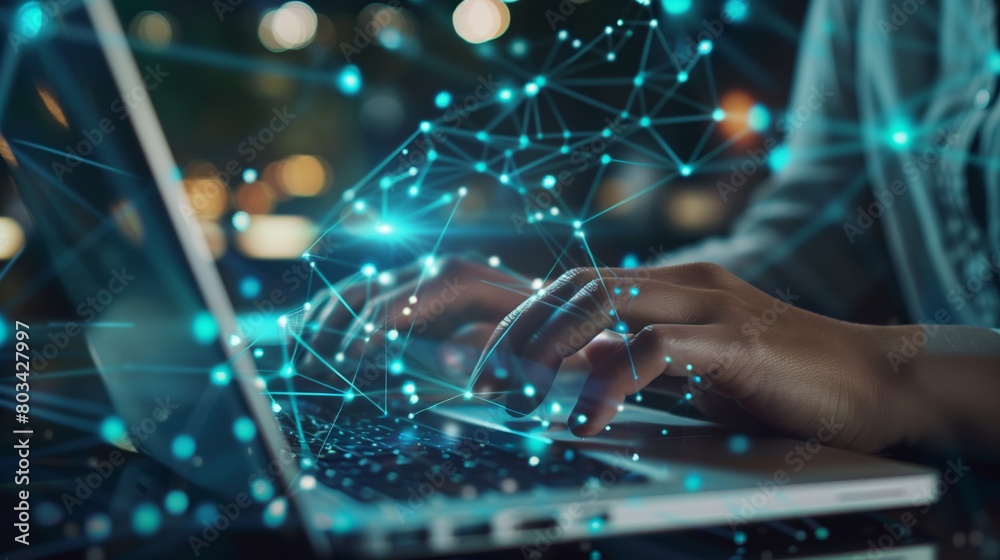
<point x="94" y="168"/>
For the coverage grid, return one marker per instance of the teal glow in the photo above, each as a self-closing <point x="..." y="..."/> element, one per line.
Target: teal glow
<point x="705" y="47"/>
<point x="822" y="533"/>
<point x="241" y="221"/>
<point x="275" y="513"/>
<point x="183" y="447"/>
<point x="409" y="388"/>
<point x="3" y="329"/>
<point x="442" y="100"/>
<point x="740" y="538"/>
<point x="396" y="367"/>
<point x="349" y="80"/>
<point x="758" y="118"/>
<point x="674" y="7"/>
<point x="368" y="270"/>
<point x="630" y="261"/>
<point x="718" y="115"/>
<point x="739" y="444"/>
<point x="249" y="175"/>
<point x="692" y="482"/>
<point x="686" y="170"/>
<point x="176" y="502"/>
<point x="30" y="19"/>
<point x="204" y="329"/>
<point x="112" y="429"/>
<point x="250" y="287"/>
<point x="736" y="10"/>
<point x="244" y="429"/>
<point x="900" y="137"/>
<point x="261" y="490"/>
<point x="548" y="181"/>
<point x="621" y="327"/>
<point x="221" y="375"/>
<point x="780" y="158"/>
<point x="146" y="519"/>
<point x="668" y="359"/>
<point x="505" y="95"/>
<point x="529" y="390"/>
<point x="581" y="419"/>
<point x="644" y="122"/>
<point x="682" y="77"/>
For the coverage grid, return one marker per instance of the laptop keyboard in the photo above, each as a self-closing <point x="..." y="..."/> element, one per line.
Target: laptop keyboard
<point x="390" y="458"/>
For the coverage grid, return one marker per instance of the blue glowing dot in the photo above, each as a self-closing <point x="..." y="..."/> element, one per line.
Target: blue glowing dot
<point x="668" y="359"/>
<point x="241" y="221"/>
<point x="258" y="353"/>
<point x="740" y="538"/>
<point x="481" y="166"/>
<point x="664" y="431"/>
<point x="275" y="512"/>
<point x="682" y="76"/>
<point x="618" y="290"/>
<point x="349" y="80"/>
<point x="633" y="291"/>
<point x="758" y="117"/>
<point x="595" y="527"/>
<point x="697" y="379"/>
<point x="993" y="61"/>
<point x="900" y="137"/>
<point x="249" y="175"/>
<point x="739" y="444"/>
<point x="261" y="490"/>
<point x="533" y="461"/>
<point x="3" y="329"/>
<point x="244" y="429"/>
<point x="630" y="260"/>
<point x="414" y="190"/>
<point x="675" y="7"/>
<point x="529" y="390"/>
<point x="519" y="47"/>
<point x="275" y="407"/>
<point x="442" y="100"/>
<point x="183" y="447"/>
<point x="688" y="396"/>
<point x="482" y="136"/>
<point x="204" y="328"/>
<point x="504" y="178"/>
<point x="30" y="19"/>
<point x="176" y="502"/>
<point x="531" y="88"/>
<point x="638" y="80"/>
<point x="605" y="159"/>
<point x="221" y="375"/>
<point x="385" y="183"/>
<point x="396" y="367"/>
<point x="611" y="57"/>
<point x="97" y="527"/>
<point x="822" y="533"/>
<point x="718" y="115"/>
<point x="780" y="158"/>
<point x="563" y="35"/>
<point x="645" y="122"/>
<point x="409" y="388"/>
<point x="621" y="327"/>
<point x="432" y="155"/>
<point x="686" y="170"/>
<point x="250" y="287"/>
<point x="414" y="399"/>
<point x="581" y="419"/>
<point x="548" y="181"/>
<point x="736" y="10"/>
<point x="500" y="373"/>
<point x="349" y="396"/>
<point x="146" y="519"/>
<point x="689" y="367"/>
<point x="505" y="95"/>
<point x="692" y="482"/>
<point x="287" y="372"/>
<point x="369" y="270"/>
<point x="426" y="126"/>
<point x="705" y="47"/>
<point x="112" y="429"/>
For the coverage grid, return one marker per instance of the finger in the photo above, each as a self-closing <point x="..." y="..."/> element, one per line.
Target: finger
<point x="656" y="349"/>
<point x="601" y="347"/>
<point x="598" y="306"/>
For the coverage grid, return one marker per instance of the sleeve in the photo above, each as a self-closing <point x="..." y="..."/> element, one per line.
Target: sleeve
<point x="793" y="235"/>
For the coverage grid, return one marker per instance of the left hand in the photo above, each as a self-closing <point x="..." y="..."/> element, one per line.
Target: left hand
<point x="794" y="370"/>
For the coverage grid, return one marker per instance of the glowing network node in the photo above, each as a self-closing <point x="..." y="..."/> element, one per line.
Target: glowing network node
<point x="244" y="429"/>
<point x="250" y="287"/>
<point x="396" y="366"/>
<point x="689" y="367"/>
<point x="611" y="57"/>
<point x="822" y="533"/>
<point x="249" y="175"/>
<point x="718" y="115"/>
<point x="442" y="100"/>
<point x="368" y="270"/>
<point x="112" y="429"/>
<point x="349" y="80"/>
<point x="529" y="390"/>
<point x="275" y="407"/>
<point x="605" y="159"/>
<point x="692" y="482"/>
<point x="581" y="419"/>
<point x="204" y="328"/>
<point x="686" y="170"/>
<point x="621" y="327"/>
<point x="183" y="447"/>
<point x="261" y="490"/>
<point x="736" y="10"/>
<point x="468" y="395"/>
<point x="414" y="399"/>
<point x="175" y="502"/>
<point x="531" y="89"/>
<point x="234" y="340"/>
<point x="682" y="76"/>
<point x="758" y="117"/>
<point x="705" y="46"/>
<point x="146" y="519"/>
<point x="534" y="461"/>
<point x="505" y="95"/>
<point x="675" y="7"/>
<point x="221" y="374"/>
<point x="494" y="261"/>
<point x="740" y="538"/>
<point x="633" y="291"/>
<point x="900" y="137"/>
<point x="241" y="221"/>
<point x="638" y="80"/>
<point x="549" y="181"/>
<point x="30" y="18"/>
<point x="288" y="371"/>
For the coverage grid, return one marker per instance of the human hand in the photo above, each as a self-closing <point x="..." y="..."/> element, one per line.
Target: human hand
<point x="738" y="347"/>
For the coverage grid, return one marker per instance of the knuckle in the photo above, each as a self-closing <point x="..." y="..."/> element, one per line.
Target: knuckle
<point x="578" y="275"/>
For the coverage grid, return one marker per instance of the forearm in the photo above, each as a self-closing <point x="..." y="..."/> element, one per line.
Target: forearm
<point x="949" y="391"/>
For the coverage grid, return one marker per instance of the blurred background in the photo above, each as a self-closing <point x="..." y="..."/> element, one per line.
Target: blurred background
<point x="355" y="80"/>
